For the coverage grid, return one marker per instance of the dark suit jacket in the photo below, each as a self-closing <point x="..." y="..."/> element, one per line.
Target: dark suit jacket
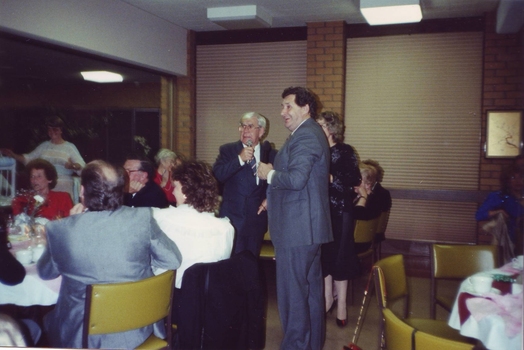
<point x="241" y="195"/>
<point x="221" y="305"/>
<point x="298" y="199"/>
<point x="151" y="195"/>
<point x="100" y="247"/>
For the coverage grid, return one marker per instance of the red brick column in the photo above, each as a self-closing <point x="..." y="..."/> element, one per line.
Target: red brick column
<point x="326" y="63"/>
<point x="503" y="89"/>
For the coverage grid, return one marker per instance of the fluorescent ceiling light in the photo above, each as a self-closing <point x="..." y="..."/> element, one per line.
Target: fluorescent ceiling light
<point x="102" y="77"/>
<point x="377" y="12"/>
<point x="240" y="17"/>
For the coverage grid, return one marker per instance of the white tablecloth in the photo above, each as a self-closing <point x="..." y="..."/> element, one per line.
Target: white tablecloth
<point x="490" y="330"/>
<point x="33" y="290"/>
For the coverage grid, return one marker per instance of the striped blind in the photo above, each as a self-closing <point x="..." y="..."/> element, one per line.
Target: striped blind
<point x="237" y="78"/>
<point x="413" y="102"/>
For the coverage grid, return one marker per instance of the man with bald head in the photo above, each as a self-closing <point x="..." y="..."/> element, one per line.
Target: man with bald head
<point x="101" y="242"/>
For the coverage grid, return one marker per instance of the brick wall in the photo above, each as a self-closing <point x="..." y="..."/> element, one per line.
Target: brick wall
<point x="326" y="63"/>
<point x="503" y="89"/>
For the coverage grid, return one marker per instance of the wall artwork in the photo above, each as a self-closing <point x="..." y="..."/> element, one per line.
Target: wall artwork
<point x="503" y="134"/>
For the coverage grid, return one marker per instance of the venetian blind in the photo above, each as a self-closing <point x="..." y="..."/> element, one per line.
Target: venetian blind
<point x="237" y="78"/>
<point x="413" y="103"/>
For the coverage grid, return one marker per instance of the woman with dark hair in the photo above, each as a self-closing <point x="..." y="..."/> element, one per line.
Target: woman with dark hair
<point x="508" y="202"/>
<point x="50" y="204"/>
<point x="192" y="224"/>
<point x="339" y="260"/>
<point x="62" y="154"/>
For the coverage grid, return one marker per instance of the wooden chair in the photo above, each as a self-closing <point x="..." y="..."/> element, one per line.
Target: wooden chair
<point x="458" y="262"/>
<point x="402" y="336"/>
<point x="119" y="307"/>
<point x="267" y="250"/>
<point x="391" y="285"/>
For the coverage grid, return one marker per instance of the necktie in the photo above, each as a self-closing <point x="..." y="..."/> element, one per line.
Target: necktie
<point x="253" y="165"/>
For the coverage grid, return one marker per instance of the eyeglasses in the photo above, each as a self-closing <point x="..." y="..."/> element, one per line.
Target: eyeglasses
<point x="248" y="126"/>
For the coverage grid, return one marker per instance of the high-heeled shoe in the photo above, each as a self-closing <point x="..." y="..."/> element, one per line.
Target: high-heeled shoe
<point x="342" y="323"/>
<point x="333" y="306"/>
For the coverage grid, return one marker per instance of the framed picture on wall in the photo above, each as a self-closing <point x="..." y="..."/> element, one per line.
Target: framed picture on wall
<point x="503" y="134"/>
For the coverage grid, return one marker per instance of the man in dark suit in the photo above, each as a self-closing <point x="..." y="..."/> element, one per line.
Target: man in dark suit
<point x="299" y="220"/>
<point x="244" y="193"/>
<point x="142" y="191"/>
<point x="107" y="243"/>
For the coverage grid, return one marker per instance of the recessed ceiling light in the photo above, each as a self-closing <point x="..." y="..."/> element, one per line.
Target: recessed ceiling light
<point x="102" y="77"/>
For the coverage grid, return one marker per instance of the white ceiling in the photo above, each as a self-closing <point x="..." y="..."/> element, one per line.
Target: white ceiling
<point x="192" y="14"/>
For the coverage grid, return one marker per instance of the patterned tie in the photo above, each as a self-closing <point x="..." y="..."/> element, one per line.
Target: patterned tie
<point x="253" y="165"/>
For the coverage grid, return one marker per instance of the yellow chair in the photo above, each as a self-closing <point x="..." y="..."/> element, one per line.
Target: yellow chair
<point x="381" y="233"/>
<point x="391" y="285"/>
<point x="427" y="341"/>
<point x="267" y="250"/>
<point x="364" y="232"/>
<point x="458" y="262"/>
<point x="119" y="307"/>
<point x="402" y="336"/>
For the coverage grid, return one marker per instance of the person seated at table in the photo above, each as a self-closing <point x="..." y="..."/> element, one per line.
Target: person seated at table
<point x="104" y="242"/>
<point x="43" y="178"/>
<point x="508" y="202"/>
<point x="192" y="224"/>
<point x="165" y="161"/>
<point x="368" y="205"/>
<point x="382" y="196"/>
<point x="142" y="191"/>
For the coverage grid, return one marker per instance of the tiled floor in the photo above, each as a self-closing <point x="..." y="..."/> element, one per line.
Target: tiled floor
<point x="337" y="337"/>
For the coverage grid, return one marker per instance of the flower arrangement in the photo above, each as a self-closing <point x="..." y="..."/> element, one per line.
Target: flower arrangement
<point x="28" y="223"/>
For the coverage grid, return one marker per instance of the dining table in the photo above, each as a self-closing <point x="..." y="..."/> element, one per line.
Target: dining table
<point x="33" y="290"/>
<point x="494" y="317"/>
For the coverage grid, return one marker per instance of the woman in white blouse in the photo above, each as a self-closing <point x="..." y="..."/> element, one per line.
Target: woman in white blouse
<point x="192" y="225"/>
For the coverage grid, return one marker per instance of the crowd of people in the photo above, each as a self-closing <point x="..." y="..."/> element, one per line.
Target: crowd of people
<point x="308" y="194"/>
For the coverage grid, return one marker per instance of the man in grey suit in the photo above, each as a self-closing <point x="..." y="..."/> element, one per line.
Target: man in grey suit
<point x="108" y="243"/>
<point x="299" y="220"/>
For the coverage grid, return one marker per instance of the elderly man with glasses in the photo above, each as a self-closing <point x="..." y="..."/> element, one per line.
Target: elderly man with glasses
<point x="243" y="193"/>
<point x="141" y="190"/>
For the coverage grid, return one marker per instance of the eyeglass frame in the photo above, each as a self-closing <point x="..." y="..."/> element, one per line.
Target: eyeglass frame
<point x="250" y="127"/>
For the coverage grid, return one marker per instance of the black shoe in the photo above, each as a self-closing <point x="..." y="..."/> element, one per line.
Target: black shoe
<point x="342" y="323"/>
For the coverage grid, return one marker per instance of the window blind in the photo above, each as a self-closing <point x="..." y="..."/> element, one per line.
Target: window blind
<point x="413" y="103"/>
<point x="236" y="78"/>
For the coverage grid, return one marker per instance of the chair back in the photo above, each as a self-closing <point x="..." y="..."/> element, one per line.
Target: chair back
<point x="383" y="222"/>
<point x="267" y="250"/>
<point x="461" y="261"/>
<point x="394" y="277"/>
<point x="398" y="334"/>
<point x="118" y="307"/>
<point x="428" y="341"/>
<point x="7" y="177"/>
<point x="365" y="230"/>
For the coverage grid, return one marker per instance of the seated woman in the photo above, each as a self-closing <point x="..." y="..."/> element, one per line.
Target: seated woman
<point x="165" y="161"/>
<point x="43" y="179"/>
<point x="508" y="202"/>
<point x="192" y="225"/>
<point x="368" y="205"/>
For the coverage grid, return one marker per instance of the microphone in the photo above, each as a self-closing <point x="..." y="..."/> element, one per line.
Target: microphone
<point x="249" y="143"/>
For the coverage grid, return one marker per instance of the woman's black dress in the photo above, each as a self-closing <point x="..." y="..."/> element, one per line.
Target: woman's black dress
<point x="338" y="257"/>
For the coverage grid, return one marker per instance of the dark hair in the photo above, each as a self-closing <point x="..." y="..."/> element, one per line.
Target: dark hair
<point x="335" y="125"/>
<point x="103" y="186"/>
<point x="145" y="165"/>
<point x="54" y="122"/>
<point x="303" y="96"/>
<point x="508" y="172"/>
<point x="49" y="170"/>
<point x="198" y="185"/>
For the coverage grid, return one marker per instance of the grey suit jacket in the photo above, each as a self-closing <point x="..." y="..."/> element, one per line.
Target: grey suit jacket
<point x="298" y="199"/>
<point x="100" y="247"/>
